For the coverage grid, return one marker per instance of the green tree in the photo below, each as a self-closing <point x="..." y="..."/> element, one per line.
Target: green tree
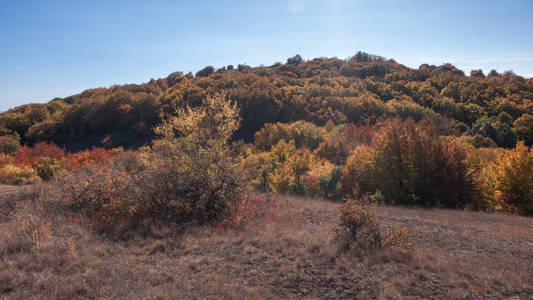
<point x="8" y="145"/>
<point x="41" y="132"/>
<point x="205" y="71"/>
<point x="524" y="128"/>
<point x="295" y="60"/>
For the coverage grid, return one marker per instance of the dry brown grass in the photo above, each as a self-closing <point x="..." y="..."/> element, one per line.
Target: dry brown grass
<point x="291" y="254"/>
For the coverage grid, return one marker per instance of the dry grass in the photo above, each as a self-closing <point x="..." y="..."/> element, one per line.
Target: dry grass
<point x="291" y="254"/>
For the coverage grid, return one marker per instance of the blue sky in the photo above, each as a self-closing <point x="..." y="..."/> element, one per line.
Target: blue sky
<point x="59" y="48"/>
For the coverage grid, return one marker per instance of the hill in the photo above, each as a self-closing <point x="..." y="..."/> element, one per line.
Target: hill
<point x="179" y="219"/>
<point x="364" y="89"/>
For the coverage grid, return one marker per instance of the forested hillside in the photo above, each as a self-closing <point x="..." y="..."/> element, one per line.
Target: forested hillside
<point x="355" y="128"/>
<point x="493" y="109"/>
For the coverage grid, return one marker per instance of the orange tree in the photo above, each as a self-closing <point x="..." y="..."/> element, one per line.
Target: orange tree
<point x="514" y="178"/>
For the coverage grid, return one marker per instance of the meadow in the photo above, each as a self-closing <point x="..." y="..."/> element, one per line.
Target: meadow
<point x="288" y="251"/>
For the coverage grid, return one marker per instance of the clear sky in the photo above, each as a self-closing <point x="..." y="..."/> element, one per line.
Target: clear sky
<point x="59" y="48"/>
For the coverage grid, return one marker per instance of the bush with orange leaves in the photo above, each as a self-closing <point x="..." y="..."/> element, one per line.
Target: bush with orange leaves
<point x="47" y="159"/>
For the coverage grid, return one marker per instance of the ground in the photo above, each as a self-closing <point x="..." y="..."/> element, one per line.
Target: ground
<point x="10" y="189"/>
<point x="290" y="253"/>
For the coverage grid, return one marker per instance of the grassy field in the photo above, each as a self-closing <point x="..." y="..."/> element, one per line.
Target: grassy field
<point x="290" y="253"/>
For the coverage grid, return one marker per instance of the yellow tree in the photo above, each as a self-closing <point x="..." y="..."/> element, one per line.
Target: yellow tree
<point x="196" y="160"/>
<point x="514" y="178"/>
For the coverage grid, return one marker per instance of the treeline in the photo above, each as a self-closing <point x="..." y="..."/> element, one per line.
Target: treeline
<point x="493" y="109"/>
<point x="361" y="128"/>
<point x="398" y="162"/>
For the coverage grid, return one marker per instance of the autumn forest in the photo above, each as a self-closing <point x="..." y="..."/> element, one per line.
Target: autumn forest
<point x="323" y="111"/>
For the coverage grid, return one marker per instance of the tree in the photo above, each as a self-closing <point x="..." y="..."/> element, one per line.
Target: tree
<point x="477" y="73"/>
<point x="41" y="132"/>
<point x="493" y="73"/>
<point x="514" y="178"/>
<point x="412" y="165"/>
<point x="15" y="121"/>
<point x="195" y="159"/>
<point x="524" y="128"/>
<point x="8" y="145"/>
<point x="365" y="57"/>
<point x="295" y="60"/>
<point x="205" y="71"/>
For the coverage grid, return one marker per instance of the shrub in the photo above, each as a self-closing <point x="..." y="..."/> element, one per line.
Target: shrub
<point x="47" y="167"/>
<point x="47" y="158"/>
<point x="189" y="176"/>
<point x="32" y="225"/>
<point x="105" y="197"/>
<point x="287" y="170"/>
<point x="12" y="174"/>
<point x="196" y="144"/>
<point x="514" y="178"/>
<point x="257" y="166"/>
<point x="261" y="167"/>
<point x="359" y="229"/>
<point x="5" y="159"/>
<point x="73" y="161"/>
<point x="29" y="156"/>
